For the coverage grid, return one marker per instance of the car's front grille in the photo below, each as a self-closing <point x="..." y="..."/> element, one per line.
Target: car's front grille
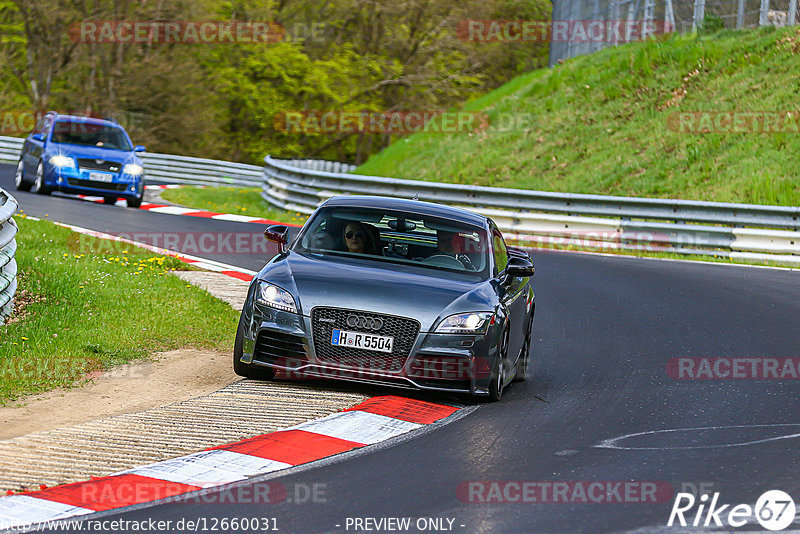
<point x="280" y="349"/>
<point x="93" y="165"/>
<point x="108" y="186"/>
<point x="403" y="330"/>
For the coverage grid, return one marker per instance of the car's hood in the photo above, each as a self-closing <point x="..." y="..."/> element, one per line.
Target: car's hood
<point x="382" y="288"/>
<point x="93" y="152"/>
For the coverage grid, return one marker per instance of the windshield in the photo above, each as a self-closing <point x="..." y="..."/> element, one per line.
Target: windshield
<point x="88" y="134"/>
<point x="396" y="237"/>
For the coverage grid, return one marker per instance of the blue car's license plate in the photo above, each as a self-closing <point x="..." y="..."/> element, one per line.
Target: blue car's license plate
<point x="360" y="340"/>
<point x="100" y="177"/>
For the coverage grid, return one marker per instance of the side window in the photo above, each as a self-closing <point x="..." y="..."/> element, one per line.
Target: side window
<point x="500" y="251"/>
<point x="40" y="125"/>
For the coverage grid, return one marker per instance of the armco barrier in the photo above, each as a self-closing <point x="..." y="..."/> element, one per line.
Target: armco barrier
<point x="564" y="219"/>
<point x="170" y="168"/>
<point x="8" y="247"/>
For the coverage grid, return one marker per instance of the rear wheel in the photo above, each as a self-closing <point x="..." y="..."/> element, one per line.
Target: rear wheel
<point x="19" y="178"/>
<point x="498" y="380"/>
<point x="244" y="369"/>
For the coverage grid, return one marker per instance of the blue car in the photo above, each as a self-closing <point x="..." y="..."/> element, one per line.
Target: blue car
<point x="81" y="155"/>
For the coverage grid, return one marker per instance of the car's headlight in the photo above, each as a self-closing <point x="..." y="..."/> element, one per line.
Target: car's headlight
<point x="275" y="297"/>
<point x="466" y="323"/>
<point x="62" y="161"/>
<point x="133" y="169"/>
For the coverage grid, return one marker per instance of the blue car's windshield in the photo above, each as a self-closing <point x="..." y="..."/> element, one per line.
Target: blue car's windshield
<point x="397" y="237"/>
<point x="89" y="134"/>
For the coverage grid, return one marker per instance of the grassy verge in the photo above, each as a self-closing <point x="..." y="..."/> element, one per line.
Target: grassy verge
<point x="80" y="312"/>
<point x="240" y="201"/>
<point x="606" y="123"/>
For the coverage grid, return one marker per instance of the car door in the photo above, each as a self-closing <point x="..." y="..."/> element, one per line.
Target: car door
<point x="34" y="148"/>
<point x="512" y="297"/>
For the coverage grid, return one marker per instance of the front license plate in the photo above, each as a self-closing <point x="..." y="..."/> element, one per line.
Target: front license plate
<point x="360" y="340"/>
<point x="100" y="177"/>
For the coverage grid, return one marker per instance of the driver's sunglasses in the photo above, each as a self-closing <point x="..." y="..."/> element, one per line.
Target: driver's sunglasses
<point x="359" y="234"/>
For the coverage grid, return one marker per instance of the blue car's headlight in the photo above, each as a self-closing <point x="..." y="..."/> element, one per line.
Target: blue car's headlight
<point x="62" y="162"/>
<point x="466" y="323"/>
<point x="133" y="169"/>
<point x="275" y="297"/>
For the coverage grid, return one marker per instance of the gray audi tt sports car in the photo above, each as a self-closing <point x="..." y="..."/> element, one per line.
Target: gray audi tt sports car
<point x="391" y="291"/>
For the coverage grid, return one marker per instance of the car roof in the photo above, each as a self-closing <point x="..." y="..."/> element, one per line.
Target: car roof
<point x="90" y="120"/>
<point x="411" y="206"/>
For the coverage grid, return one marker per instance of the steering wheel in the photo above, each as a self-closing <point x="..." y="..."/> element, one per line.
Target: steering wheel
<point x="443" y="260"/>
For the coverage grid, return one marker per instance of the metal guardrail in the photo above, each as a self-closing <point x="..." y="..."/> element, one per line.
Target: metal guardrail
<point x="549" y="219"/>
<point x="8" y="248"/>
<point x="171" y="168"/>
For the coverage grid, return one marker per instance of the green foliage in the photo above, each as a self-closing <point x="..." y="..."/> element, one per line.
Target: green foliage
<point x="605" y="123"/>
<point x="90" y="311"/>
<point x="711" y="24"/>
<point x="222" y="100"/>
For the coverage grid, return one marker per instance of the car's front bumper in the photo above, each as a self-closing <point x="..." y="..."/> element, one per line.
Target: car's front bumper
<point x="438" y="362"/>
<point x="76" y="181"/>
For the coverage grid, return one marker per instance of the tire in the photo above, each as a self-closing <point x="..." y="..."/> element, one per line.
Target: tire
<point x="19" y="178"/>
<point x="109" y="200"/>
<point x="134" y="202"/>
<point x="244" y="369"/>
<point x="38" y="183"/>
<point x="522" y="366"/>
<point x="497" y="384"/>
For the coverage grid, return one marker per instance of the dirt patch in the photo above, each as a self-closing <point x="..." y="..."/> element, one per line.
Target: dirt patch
<point x="169" y="377"/>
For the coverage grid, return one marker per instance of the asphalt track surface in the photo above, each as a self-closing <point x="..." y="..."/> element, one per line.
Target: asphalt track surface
<point x="605" y="330"/>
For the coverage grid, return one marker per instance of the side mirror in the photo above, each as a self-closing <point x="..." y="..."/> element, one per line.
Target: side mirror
<point x="139" y="148"/>
<point x="519" y="267"/>
<point x="38" y="137"/>
<point x="277" y="233"/>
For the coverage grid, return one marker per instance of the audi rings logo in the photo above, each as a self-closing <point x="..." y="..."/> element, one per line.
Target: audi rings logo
<point x="362" y="321"/>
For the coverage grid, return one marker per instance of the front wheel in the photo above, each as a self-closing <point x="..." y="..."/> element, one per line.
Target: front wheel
<point x="19" y="178"/>
<point x="134" y="202"/>
<point x="109" y="200"/>
<point x="498" y="380"/>
<point x="38" y="183"/>
<point x="524" y="357"/>
<point x="244" y="369"/>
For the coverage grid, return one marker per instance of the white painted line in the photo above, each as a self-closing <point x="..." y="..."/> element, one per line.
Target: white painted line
<point x="232" y="217"/>
<point x="358" y="426"/>
<point x="172" y="210"/>
<point x="208" y="468"/>
<point x="22" y="510"/>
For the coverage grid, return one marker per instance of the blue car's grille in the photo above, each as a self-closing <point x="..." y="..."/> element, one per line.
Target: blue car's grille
<point x="93" y="165"/>
<point x="403" y="330"/>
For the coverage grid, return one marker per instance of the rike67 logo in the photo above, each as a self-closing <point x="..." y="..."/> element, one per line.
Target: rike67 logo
<point x="774" y="510"/>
